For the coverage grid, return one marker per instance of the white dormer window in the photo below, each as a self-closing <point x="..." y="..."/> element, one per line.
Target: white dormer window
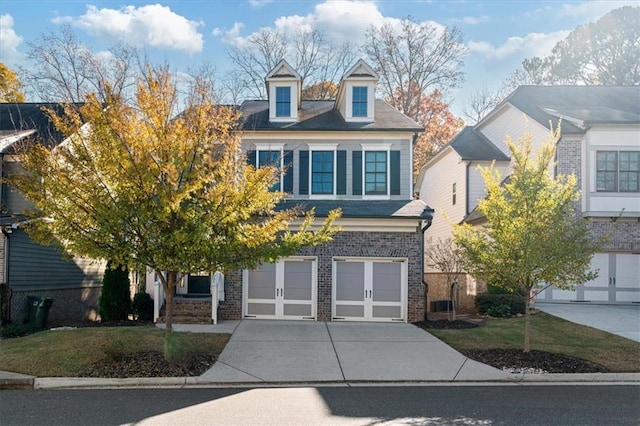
<point x="359" y="101"/>
<point x="283" y="101"/>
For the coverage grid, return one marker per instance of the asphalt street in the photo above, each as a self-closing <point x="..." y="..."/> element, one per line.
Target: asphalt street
<point x="415" y="405"/>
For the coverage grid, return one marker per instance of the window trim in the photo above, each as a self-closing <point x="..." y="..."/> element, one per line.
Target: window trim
<point x="278" y="102"/>
<point x="382" y="147"/>
<point x="333" y="148"/>
<point x="262" y="147"/>
<point x="360" y="102"/>
<point x="617" y="171"/>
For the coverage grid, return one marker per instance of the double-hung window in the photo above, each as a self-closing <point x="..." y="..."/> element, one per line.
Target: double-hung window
<point x="271" y="159"/>
<point x="359" y="105"/>
<point x="618" y="171"/>
<point x="322" y="172"/>
<point x="283" y="101"/>
<point x="375" y="172"/>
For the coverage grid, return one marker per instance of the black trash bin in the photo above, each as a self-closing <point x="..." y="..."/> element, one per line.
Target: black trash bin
<point x="38" y="310"/>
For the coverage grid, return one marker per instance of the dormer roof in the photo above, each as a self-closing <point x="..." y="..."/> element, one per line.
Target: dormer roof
<point x="283" y="70"/>
<point x="361" y="70"/>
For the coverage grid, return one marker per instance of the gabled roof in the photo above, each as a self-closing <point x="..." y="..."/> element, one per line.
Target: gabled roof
<point x="320" y="115"/>
<point x="365" y="209"/>
<point x="23" y="120"/>
<point x="283" y="70"/>
<point x="578" y="106"/>
<point x="361" y="69"/>
<point x="474" y="146"/>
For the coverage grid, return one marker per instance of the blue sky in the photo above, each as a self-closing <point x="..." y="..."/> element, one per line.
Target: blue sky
<point x="498" y="33"/>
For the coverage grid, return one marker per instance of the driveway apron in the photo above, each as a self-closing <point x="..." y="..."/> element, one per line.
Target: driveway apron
<point x="299" y="351"/>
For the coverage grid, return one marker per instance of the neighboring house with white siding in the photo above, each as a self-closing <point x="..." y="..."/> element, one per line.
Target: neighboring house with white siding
<point x="600" y="144"/>
<point x="31" y="269"/>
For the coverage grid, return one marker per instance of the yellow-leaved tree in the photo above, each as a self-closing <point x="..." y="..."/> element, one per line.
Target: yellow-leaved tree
<point x="533" y="236"/>
<point x="140" y="185"/>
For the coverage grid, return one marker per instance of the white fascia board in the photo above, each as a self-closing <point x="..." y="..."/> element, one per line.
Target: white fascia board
<point x="366" y="225"/>
<point x="326" y="135"/>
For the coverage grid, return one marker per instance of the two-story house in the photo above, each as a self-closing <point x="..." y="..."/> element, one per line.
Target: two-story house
<point x="29" y="268"/>
<point x="600" y="144"/>
<point x="353" y="153"/>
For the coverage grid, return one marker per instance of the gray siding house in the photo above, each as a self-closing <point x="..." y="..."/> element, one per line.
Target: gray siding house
<point x="28" y="268"/>
<point x="352" y="153"/>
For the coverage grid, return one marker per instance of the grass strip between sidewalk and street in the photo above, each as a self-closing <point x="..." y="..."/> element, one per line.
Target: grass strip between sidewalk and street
<point x="65" y="353"/>
<point x="549" y="334"/>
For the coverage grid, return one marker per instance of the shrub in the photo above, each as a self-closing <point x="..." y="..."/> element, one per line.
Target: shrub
<point x="500" y="311"/>
<point x="115" y="300"/>
<point x="143" y="306"/>
<point x="18" y="330"/>
<point x="486" y="301"/>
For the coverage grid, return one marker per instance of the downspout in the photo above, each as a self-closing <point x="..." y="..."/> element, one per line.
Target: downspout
<point x="424" y="282"/>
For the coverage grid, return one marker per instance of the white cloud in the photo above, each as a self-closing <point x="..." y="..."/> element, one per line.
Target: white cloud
<point x="152" y="25"/>
<point x="533" y="44"/>
<point x="592" y="10"/>
<point x="9" y="41"/>
<point x="256" y="4"/>
<point x="232" y="36"/>
<point x="339" y="20"/>
<point x="471" y="20"/>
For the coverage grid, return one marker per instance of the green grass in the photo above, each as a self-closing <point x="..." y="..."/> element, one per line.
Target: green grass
<point x="65" y="353"/>
<point x="550" y="334"/>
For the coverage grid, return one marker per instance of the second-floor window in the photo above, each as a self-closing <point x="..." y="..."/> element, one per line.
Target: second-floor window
<point x="453" y="194"/>
<point x="283" y="102"/>
<point x="322" y="172"/>
<point x="375" y="172"/>
<point x="618" y="171"/>
<point x="359" y="102"/>
<point x="271" y="159"/>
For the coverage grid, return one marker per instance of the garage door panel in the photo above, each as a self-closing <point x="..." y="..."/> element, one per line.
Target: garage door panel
<point x="627" y="271"/>
<point x="282" y="290"/>
<point x="387" y="311"/>
<point x="262" y="308"/>
<point x="355" y="311"/>
<point x="387" y="282"/>
<point x="350" y="281"/>
<point x="369" y="289"/>
<point x="292" y="309"/>
<point x="263" y="282"/>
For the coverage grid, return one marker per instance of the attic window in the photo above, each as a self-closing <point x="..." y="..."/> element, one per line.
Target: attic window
<point x="359" y="101"/>
<point x="283" y="101"/>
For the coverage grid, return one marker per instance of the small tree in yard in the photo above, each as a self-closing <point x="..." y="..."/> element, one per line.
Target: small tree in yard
<point x="146" y="187"/>
<point x="442" y="254"/>
<point x="533" y="235"/>
<point x="115" y="298"/>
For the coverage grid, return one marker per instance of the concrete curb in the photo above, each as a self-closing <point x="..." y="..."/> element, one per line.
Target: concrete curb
<point x="19" y="381"/>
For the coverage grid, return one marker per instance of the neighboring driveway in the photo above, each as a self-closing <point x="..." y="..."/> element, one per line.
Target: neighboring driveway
<point x="299" y="351"/>
<point x="623" y="320"/>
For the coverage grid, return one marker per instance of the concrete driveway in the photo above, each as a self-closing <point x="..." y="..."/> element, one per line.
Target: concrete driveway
<point x="299" y="351"/>
<point x="623" y="320"/>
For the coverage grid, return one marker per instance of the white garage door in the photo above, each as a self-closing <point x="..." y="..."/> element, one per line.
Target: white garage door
<point x="618" y="282"/>
<point x="282" y="290"/>
<point x="369" y="289"/>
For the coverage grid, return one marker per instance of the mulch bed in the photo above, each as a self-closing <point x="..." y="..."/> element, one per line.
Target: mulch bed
<point x="150" y="364"/>
<point x="515" y="360"/>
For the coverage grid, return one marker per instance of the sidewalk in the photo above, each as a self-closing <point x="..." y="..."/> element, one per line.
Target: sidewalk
<point x="267" y="353"/>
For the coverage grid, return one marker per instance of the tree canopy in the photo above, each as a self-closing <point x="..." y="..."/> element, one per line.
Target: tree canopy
<point x="141" y="186"/>
<point x="10" y="85"/>
<point x="533" y="235"/>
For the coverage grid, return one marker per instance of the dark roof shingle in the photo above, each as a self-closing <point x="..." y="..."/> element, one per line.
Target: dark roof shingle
<point x="365" y="209"/>
<point x="321" y="115"/>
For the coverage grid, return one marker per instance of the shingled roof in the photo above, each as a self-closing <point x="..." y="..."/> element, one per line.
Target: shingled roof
<point x="472" y="145"/>
<point x="578" y="106"/>
<point x="21" y="120"/>
<point x="321" y="115"/>
<point x="365" y="209"/>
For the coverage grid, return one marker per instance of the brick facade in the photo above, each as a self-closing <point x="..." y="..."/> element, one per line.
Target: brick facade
<point x="348" y="244"/>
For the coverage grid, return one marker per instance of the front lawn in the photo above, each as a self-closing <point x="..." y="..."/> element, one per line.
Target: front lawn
<point x="67" y="353"/>
<point x="549" y="334"/>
